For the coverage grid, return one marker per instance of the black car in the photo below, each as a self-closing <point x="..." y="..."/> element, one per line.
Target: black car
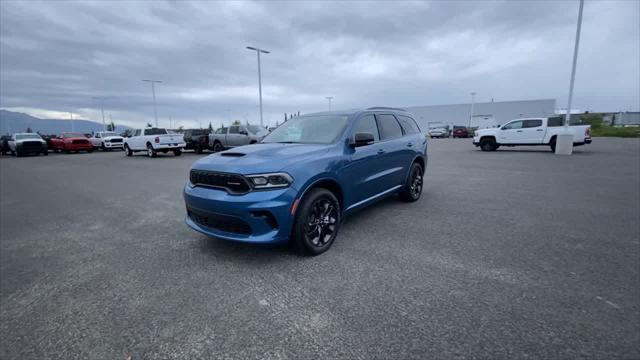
<point x="197" y="140"/>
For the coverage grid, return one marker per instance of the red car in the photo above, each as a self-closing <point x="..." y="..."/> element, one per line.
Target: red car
<point x="460" y="132"/>
<point x="69" y="142"/>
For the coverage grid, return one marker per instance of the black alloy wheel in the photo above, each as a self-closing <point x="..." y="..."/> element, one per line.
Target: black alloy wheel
<point x="317" y="222"/>
<point x="413" y="187"/>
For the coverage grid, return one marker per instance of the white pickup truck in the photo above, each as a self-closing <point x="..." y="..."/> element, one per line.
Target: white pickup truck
<point x="529" y="132"/>
<point x="152" y="141"/>
<point x="106" y="140"/>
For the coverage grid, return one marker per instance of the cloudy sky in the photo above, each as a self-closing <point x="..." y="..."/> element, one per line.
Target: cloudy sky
<point x="58" y="56"/>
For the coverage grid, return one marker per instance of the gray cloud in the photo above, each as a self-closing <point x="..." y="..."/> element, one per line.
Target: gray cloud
<point x="56" y="56"/>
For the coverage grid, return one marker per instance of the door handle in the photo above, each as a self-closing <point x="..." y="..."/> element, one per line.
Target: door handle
<point x="381" y="151"/>
<point x="539" y="130"/>
<point x="409" y="144"/>
<point x="519" y="131"/>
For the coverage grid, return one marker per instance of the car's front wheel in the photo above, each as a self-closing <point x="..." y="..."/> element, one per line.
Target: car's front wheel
<point x="127" y="151"/>
<point x="177" y="152"/>
<point x="317" y="222"/>
<point x="413" y="186"/>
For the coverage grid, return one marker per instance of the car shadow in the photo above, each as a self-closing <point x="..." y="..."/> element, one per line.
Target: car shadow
<point x="245" y="252"/>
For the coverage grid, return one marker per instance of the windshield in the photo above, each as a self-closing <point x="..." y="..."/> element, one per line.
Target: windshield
<point x="28" y="136"/>
<point x="73" y="135"/>
<point x="109" y="134"/>
<point x="256" y="130"/>
<point x="318" y="129"/>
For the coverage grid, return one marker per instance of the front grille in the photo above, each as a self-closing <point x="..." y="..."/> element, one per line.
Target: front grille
<point x="79" y="141"/>
<point x="233" y="183"/>
<point x="116" y="140"/>
<point x="226" y="223"/>
<point x="31" y="145"/>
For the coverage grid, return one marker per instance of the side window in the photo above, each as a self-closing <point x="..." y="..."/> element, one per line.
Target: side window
<point x="367" y="124"/>
<point x="389" y="127"/>
<point x="137" y="133"/>
<point x="555" y="121"/>
<point x="532" y="123"/>
<point x="513" y="125"/>
<point x="234" y="129"/>
<point x="408" y="124"/>
<point x="97" y="135"/>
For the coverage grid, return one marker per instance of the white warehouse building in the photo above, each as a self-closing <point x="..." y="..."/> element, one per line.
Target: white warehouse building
<point x="485" y="115"/>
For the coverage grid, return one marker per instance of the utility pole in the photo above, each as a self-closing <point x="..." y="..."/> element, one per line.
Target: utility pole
<point x="104" y="126"/>
<point x="258" y="51"/>
<point x="71" y="117"/>
<point x="564" y="142"/>
<point x="153" y="91"/>
<point x="329" y="98"/>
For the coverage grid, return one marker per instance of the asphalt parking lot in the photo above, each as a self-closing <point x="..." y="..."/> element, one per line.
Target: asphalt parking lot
<point x="511" y="254"/>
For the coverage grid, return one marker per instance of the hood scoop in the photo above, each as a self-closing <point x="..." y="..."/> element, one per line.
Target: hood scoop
<point x="232" y="154"/>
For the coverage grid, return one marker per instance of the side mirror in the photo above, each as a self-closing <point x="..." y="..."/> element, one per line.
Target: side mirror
<point x="362" y="139"/>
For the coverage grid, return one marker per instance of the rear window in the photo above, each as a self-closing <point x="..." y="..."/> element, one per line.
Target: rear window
<point x="389" y="127"/>
<point x="408" y="124"/>
<point x="155" y="131"/>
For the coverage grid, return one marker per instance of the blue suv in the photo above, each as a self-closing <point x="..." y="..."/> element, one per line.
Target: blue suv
<point x="306" y="176"/>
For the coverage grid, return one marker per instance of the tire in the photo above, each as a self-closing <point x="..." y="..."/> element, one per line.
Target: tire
<point x="102" y="147"/>
<point x="127" y="151"/>
<point x="45" y="152"/>
<point x="179" y="152"/>
<point x="488" y="145"/>
<point x="151" y="152"/>
<point x="413" y="186"/>
<point x="198" y="149"/>
<point x="217" y="147"/>
<point x="552" y="145"/>
<point x="317" y="222"/>
<point x="90" y="151"/>
<point x="64" y="148"/>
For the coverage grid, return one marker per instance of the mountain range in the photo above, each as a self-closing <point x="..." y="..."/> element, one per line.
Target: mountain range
<point x="11" y="122"/>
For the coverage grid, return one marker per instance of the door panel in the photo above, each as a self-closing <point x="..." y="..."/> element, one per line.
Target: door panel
<point x="512" y="133"/>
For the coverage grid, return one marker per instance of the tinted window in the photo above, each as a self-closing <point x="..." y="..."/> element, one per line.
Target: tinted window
<point x="367" y="124"/>
<point x="137" y="133"/>
<point x="221" y="131"/>
<point x="514" y="125"/>
<point x="389" y="127"/>
<point x="408" y="124"/>
<point x="234" y="129"/>
<point x="155" y="131"/>
<point x="532" y="123"/>
<point x="556" y="121"/>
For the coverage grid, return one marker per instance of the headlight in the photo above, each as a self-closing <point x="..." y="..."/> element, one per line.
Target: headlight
<point x="268" y="181"/>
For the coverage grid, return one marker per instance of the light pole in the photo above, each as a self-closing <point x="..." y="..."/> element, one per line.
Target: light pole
<point x="153" y="91"/>
<point x="104" y="126"/>
<point x="258" y="51"/>
<point x="329" y="98"/>
<point x="71" y="117"/>
<point x="564" y="142"/>
<point x="473" y="100"/>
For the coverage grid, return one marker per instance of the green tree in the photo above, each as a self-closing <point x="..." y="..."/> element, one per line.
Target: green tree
<point x="236" y="122"/>
<point x="180" y="129"/>
<point x="111" y="126"/>
<point x="210" y="126"/>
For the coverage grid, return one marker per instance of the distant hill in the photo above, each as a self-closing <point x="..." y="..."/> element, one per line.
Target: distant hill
<point x="11" y="122"/>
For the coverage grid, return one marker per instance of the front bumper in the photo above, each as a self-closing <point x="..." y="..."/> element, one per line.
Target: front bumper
<point x="256" y="217"/>
<point x="78" y="147"/>
<point x="110" y="145"/>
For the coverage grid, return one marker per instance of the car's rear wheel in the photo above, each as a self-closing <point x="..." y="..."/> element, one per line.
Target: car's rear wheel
<point x="198" y="149"/>
<point x="413" y="187"/>
<point x="317" y="222"/>
<point x="177" y="152"/>
<point x="127" y="151"/>
<point x="151" y="152"/>
<point x="217" y="147"/>
<point x="45" y="152"/>
<point x="552" y="145"/>
<point x="488" y="145"/>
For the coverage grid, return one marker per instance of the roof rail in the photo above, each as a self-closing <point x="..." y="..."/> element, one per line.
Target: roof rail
<point x="385" y="108"/>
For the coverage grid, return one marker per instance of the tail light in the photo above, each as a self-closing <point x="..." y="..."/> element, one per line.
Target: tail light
<point x="157" y="139"/>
